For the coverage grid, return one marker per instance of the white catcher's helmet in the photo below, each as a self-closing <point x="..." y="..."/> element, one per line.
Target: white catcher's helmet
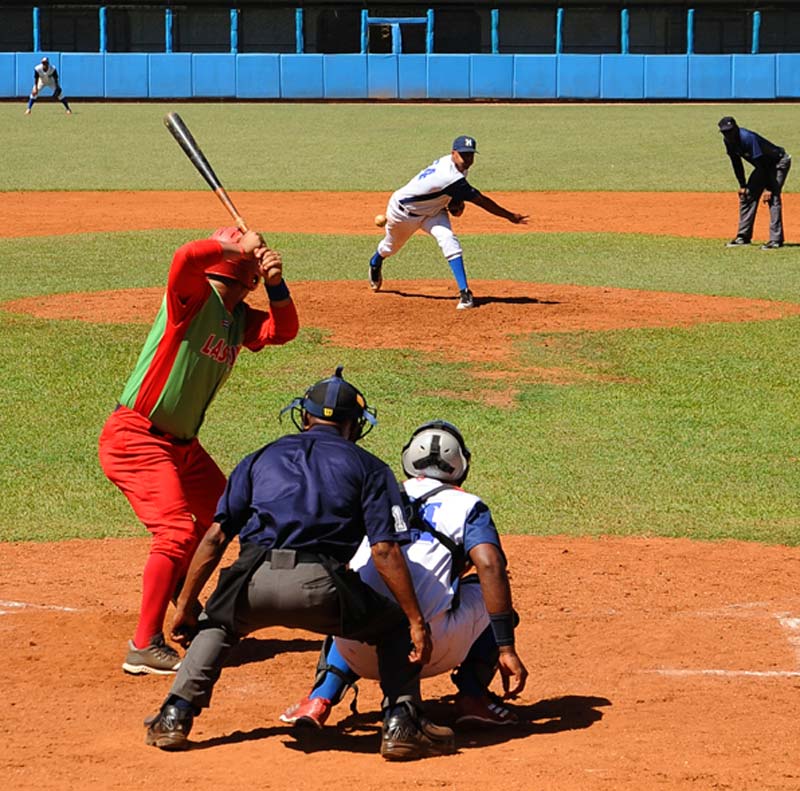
<point x="437" y="450"/>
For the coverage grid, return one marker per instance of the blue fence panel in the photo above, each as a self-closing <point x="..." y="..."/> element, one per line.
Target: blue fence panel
<point x="170" y="76"/>
<point x="788" y="76"/>
<point x="301" y="77"/>
<point x="24" y="71"/>
<point x="754" y="76"/>
<point x="345" y="76"/>
<point x="710" y="77"/>
<point x="412" y="76"/>
<point x="448" y="76"/>
<point x="214" y="74"/>
<point x="578" y="77"/>
<point x="126" y="75"/>
<point x="8" y="65"/>
<point x="81" y="74"/>
<point x="491" y="76"/>
<point x="622" y="76"/>
<point x="666" y="76"/>
<point x="258" y="76"/>
<point x="382" y="77"/>
<point x="535" y="76"/>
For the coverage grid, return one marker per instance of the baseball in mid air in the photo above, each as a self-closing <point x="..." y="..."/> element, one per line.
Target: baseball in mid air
<point x="380" y="220"/>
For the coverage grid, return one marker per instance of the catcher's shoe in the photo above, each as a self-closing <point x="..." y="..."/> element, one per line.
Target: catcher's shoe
<point x="408" y="735"/>
<point x="466" y="301"/>
<point x="169" y="728"/>
<point x="308" y="712"/>
<point x="158" y="658"/>
<point x="375" y="276"/>
<point x="482" y="711"/>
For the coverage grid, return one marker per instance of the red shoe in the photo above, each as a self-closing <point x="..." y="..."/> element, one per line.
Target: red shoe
<point x="308" y="712"/>
<point x="483" y="711"/>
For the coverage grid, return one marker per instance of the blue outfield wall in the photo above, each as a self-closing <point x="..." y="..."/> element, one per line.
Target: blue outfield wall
<point x="464" y="77"/>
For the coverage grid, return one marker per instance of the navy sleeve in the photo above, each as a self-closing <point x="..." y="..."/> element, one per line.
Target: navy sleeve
<point x="383" y="508"/>
<point x="461" y="190"/>
<point x="480" y="529"/>
<point x="234" y="507"/>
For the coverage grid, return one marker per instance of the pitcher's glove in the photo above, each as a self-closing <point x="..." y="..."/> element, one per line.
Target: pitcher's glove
<point x="456" y="208"/>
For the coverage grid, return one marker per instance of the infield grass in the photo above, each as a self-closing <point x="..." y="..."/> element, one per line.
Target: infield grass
<point x="687" y="432"/>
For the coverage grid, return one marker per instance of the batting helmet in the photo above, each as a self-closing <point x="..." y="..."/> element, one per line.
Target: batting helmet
<point x="334" y="399"/>
<point x="437" y="450"/>
<point x="241" y="268"/>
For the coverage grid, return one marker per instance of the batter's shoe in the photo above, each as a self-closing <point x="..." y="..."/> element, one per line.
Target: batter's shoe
<point x="309" y="712"/>
<point x="375" y="276"/>
<point x="772" y="246"/>
<point x="158" y="658"/>
<point x="482" y="711"/>
<point x="739" y="241"/>
<point x="169" y="728"/>
<point x="466" y="301"/>
<point x="408" y="735"/>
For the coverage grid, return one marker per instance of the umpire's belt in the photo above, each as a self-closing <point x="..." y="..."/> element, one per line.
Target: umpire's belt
<point x="289" y="558"/>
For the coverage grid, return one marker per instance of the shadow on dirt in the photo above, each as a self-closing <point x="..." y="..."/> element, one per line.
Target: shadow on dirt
<point x="483" y="299"/>
<point x="251" y="649"/>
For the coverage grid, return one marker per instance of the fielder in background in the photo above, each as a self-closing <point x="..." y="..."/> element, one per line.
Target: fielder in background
<point x="770" y="168"/>
<point x="301" y="506"/>
<point x="45" y="75"/>
<point x="426" y="202"/>
<point x="471" y="617"/>
<point x="149" y="446"/>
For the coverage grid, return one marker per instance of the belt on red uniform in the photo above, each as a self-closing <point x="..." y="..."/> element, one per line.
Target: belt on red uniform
<point x="157" y="432"/>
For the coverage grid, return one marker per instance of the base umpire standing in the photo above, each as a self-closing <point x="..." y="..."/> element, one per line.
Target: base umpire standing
<point x="301" y="506"/>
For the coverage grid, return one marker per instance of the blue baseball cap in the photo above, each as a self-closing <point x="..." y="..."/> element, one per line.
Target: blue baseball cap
<point x="465" y="144"/>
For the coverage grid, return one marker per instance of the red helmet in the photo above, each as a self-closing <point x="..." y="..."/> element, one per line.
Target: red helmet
<point x="235" y="266"/>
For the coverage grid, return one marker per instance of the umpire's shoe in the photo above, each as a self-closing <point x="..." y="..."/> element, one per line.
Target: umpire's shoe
<point x="169" y="728"/>
<point x="408" y="735"/>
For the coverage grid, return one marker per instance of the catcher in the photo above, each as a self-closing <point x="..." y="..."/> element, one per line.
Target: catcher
<point x="45" y="75"/>
<point x="471" y="617"/>
<point x="425" y="202"/>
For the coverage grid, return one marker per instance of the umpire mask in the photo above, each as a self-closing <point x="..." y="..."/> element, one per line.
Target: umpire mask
<point x="437" y="450"/>
<point x="334" y="399"/>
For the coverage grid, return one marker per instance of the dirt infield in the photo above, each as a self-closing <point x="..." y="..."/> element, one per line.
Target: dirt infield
<point x="655" y="664"/>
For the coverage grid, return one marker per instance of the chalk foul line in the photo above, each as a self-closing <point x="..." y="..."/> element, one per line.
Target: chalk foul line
<point x="10" y="607"/>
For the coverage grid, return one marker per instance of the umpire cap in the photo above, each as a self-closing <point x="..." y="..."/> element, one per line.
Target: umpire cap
<point x="727" y="123"/>
<point x="337" y="400"/>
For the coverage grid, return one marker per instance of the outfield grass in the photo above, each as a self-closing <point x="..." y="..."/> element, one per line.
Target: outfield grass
<point x="690" y="432"/>
<point x="378" y="147"/>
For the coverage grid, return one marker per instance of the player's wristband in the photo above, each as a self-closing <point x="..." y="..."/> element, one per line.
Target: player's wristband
<point x="279" y="292"/>
<point x="503" y="627"/>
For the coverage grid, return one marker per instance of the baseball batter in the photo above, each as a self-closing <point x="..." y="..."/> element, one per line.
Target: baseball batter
<point x="149" y="446"/>
<point x="45" y="75"/>
<point x="472" y="625"/>
<point x="425" y="203"/>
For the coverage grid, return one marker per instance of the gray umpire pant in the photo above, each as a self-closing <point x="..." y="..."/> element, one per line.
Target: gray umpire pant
<point x="302" y="597"/>
<point x="760" y="179"/>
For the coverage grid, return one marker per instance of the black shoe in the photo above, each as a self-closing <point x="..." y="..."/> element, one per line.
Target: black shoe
<point x="772" y="246"/>
<point x="465" y="301"/>
<point x="407" y="736"/>
<point x="375" y="277"/>
<point x="169" y="728"/>
<point x="739" y="241"/>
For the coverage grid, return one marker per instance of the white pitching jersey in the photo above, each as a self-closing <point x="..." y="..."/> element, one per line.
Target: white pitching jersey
<point x="432" y="189"/>
<point x="462" y="517"/>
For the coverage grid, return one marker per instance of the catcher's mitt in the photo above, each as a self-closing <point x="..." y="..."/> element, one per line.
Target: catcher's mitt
<point x="456" y="208"/>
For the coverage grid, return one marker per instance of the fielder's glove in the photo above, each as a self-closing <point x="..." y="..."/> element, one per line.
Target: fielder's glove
<point x="456" y="208"/>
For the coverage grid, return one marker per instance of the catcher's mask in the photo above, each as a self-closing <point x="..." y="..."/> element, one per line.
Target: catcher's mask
<point x="243" y="269"/>
<point x="437" y="450"/>
<point x="334" y="399"/>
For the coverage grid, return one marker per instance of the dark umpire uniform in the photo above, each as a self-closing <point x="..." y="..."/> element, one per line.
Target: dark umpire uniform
<point x="301" y="506"/>
<point x="771" y="166"/>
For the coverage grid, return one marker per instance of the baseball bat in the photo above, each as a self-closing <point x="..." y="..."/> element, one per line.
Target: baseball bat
<point x="181" y="133"/>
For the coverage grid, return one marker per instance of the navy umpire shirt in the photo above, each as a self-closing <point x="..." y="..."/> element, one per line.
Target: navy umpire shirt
<point x="313" y="492"/>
